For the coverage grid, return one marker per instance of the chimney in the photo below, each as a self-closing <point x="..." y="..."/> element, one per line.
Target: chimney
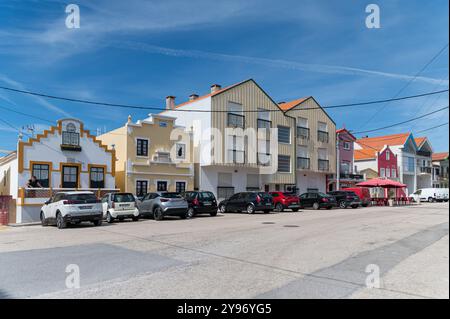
<point x="193" y="97"/>
<point x="215" y="88"/>
<point x="170" y="102"/>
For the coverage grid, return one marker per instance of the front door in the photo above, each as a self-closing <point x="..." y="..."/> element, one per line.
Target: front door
<point x="70" y="176"/>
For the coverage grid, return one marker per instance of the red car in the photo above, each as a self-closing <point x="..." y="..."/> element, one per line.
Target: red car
<point x="363" y="194"/>
<point x="283" y="200"/>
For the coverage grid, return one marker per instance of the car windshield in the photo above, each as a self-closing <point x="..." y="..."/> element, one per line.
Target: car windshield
<point x="82" y="197"/>
<point x="170" y="195"/>
<point x="190" y="195"/>
<point x="123" y="198"/>
<point x="207" y="196"/>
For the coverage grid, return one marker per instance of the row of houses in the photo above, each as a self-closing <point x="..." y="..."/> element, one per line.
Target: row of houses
<point x="229" y="140"/>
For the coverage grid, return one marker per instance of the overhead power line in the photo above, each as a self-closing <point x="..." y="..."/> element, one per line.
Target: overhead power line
<point x="407" y="84"/>
<point x="400" y="123"/>
<point x="432" y="128"/>
<point x="128" y="106"/>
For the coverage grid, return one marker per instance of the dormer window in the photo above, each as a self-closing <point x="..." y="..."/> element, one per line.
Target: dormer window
<point x="70" y="138"/>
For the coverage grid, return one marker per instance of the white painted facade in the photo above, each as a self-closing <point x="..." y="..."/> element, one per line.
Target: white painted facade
<point x="90" y="162"/>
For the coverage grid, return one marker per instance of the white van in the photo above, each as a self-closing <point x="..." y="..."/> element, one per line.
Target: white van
<point x="425" y="195"/>
<point x="442" y="194"/>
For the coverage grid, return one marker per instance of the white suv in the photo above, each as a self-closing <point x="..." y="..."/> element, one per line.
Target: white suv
<point x="71" y="207"/>
<point x="119" y="206"/>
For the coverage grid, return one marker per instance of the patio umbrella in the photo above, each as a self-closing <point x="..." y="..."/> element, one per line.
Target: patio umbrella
<point x="381" y="182"/>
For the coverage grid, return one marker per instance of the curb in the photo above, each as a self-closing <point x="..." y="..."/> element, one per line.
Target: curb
<point x="24" y="224"/>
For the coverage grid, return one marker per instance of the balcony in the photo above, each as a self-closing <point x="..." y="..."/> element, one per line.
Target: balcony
<point x="425" y="170"/>
<point x="303" y="163"/>
<point x="70" y="141"/>
<point x="322" y="136"/>
<point x="303" y="133"/>
<point x="264" y="123"/>
<point x="263" y="159"/>
<point x="323" y="165"/>
<point x="352" y="177"/>
<point x="235" y="157"/>
<point x="235" y="120"/>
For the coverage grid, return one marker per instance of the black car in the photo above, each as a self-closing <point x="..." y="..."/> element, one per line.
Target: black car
<point x="248" y="202"/>
<point x="201" y="203"/>
<point x="346" y="199"/>
<point x="317" y="200"/>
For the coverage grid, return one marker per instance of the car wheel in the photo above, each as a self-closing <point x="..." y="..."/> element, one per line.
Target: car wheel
<point x="250" y="209"/>
<point x="342" y="204"/>
<point x="109" y="218"/>
<point x="295" y="210"/>
<point x="97" y="222"/>
<point x="60" y="223"/>
<point x="214" y="213"/>
<point x="316" y="206"/>
<point x="430" y="199"/>
<point x="44" y="221"/>
<point x="222" y="209"/>
<point x="190" y="212"/>
<point x="279" y="207"/>
<point x="158" y="214"/>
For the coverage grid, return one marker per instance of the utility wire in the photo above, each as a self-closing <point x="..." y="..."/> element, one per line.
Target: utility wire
<point x="407" y="84"/>
<point x="400" y="123"/>
<point x="432" y="128"/>
<point x="209" y="111"/>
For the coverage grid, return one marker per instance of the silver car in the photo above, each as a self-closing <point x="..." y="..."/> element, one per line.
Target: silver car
<point x="158" y="205"/>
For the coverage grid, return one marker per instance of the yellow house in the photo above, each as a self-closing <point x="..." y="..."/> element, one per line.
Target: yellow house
<point x="152" y="155"/>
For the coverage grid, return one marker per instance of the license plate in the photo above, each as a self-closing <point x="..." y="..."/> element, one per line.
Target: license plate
<point x="123" y="205"/>
<point x="207" y="203"/>
<point x="85" y="207"/>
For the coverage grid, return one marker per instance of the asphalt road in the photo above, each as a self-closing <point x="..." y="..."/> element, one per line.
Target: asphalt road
<point x="309" y="254"/>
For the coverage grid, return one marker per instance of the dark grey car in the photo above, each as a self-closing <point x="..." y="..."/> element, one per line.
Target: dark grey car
<point x="158" y="205"/>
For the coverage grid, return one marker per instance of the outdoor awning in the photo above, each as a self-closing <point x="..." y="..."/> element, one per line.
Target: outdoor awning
<point x="381" y="182"/>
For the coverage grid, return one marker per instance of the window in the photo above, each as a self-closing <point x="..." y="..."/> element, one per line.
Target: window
<point x="70" y="135"/>
<point x="382" y="172"/>
<point x="303" y="158"/>
<point x="181" y="151"/>
<point x="180" y="187"/>
<point x="388" y="172"/>
<point x="284" y="164"/>
<point x="235" y="149"/>
<point x="347" y="146"/>
<point x="394" y="173"/>
<point x="323" y="164"/>
<point x="322" y="132"/>
<point x="284" y="134"/>
<point x="345" y="167"/>
<point x="141" y="147"/>
<point x="264" y="118"/>
<point x="141" y="188"/>
<point x="302" y="128"/>
<point x="161" y="186"/>
<point x="70" y="177"/>
<point x="235" y="116"/>
<point x="388" y="155"/>
<point x="42" y="173"/>
<point x="97" y="177"/>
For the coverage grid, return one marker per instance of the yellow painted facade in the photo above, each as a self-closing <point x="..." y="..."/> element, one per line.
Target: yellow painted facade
<point x="161" y="164"/>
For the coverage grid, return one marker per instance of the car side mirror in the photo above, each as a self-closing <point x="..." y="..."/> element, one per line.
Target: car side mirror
<point x="47" y="202"/>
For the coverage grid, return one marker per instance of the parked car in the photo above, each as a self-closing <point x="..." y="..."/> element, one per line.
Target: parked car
<point x="119" y="206"/>
<point x="425" y="195"/>
<point x="363" y="194"/>
<point x="346" y="199"/>
<point x="249" y="202"/>
<point x="200" y="202"/>
<point x="442" y="194"/>
<point x="284" y="200"/>
<point x="317" y="200"/>
<point x="65" y="208"/>
<point x="158" y="205"/>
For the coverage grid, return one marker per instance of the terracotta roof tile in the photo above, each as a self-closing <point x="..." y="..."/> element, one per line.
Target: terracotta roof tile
<point x="371" y="145"/>
<point x="365" y="154"/>
<point x="440" y="156"/>
<point x="286" y="106"/>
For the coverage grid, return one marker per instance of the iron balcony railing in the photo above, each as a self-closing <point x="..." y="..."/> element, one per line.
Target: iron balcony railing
<point x="236" y="157"/>
<point x="322" y="136"/>
<point x="303" y="163"/>
<point x="303" y="133"/>
<point x="323" y="165"/>
<point x="236" y="120"/>
<point x="426" y="170"/>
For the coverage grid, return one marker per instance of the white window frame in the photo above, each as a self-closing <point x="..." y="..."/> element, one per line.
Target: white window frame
<point x="136" y="145"/>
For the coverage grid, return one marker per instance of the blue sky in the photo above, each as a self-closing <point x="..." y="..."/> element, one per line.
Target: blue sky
<point x="138" y="52"/>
